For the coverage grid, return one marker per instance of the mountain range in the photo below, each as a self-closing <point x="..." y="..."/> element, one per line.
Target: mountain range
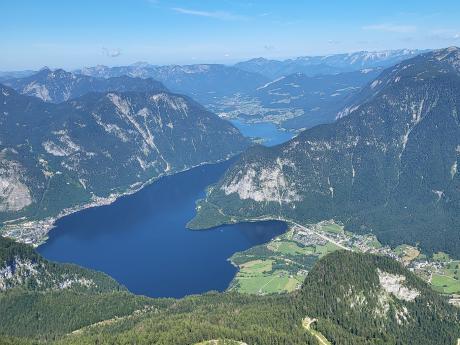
<point x="389" y="166"/>
<point x="203" y="82"/>
<point x="309" y="90"/>
<point x="90" y="149"/>
<point x="60" y="86"/>
<point x="327" y="64"/>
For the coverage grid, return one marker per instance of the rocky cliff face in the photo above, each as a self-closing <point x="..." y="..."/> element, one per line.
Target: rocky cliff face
<point x="388" y="166"/>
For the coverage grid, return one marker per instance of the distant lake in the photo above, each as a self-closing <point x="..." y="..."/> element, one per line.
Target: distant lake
<point x="141" y="239"/>
<point x="269" y="132"/>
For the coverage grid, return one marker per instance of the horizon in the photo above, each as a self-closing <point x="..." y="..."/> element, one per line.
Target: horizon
<point x="54" y="68"/>
<point x="74" y="35"/>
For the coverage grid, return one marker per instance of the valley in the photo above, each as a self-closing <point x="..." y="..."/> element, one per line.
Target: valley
<point x="307" y="200"/>
<point x="160" y="256"/>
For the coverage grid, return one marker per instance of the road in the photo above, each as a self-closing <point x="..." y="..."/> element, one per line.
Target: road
<point x="319" y="235"/>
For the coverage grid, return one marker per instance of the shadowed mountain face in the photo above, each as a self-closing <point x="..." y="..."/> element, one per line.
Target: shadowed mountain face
<point x="56" y="156"/>
<point x="389" y="167"/>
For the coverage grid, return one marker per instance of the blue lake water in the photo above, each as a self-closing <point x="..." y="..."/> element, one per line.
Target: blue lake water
<point x="141" y="239"/>
<point x="269" y="132"/>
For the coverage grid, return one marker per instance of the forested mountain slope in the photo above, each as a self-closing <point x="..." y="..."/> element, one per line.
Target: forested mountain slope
<point x="388" y="167"/>
<point x="60" y="156"/>
<point x="350" y="298"/>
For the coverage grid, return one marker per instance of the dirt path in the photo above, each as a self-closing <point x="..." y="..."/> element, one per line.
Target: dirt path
<point x="307" y="322"/>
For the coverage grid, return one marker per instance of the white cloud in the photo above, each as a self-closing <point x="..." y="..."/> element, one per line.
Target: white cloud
<point x="210" y="14"/>
<point x="111" y="52"/>
<point x="391" y="28"/>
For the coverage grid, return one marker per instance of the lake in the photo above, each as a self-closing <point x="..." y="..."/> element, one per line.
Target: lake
<point x="141" y="239"/>
<point x="269" y="132"/>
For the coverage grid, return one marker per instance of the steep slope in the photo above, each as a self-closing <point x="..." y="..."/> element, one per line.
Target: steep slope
<point x="366" y="299"/>
<point x="42" y="299"/>
<point x="350" y="298"/>
<point x="329" y="64"/>
<point x="21" y="267"/>
<point x="91" y="149"/>
<point x="60" y="86"/>
<point x="389" y="167"/>
<point x="203" y="82"/>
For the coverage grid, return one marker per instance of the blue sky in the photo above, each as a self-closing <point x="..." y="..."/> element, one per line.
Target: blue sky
<point x="70" y="33"/>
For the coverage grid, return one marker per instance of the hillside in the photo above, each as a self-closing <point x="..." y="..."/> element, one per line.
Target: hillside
<point x="389" y="167"/>
<point x="60" y="157"/>
<point x="367" y="299"/>
<point x="21" y="267"/>
<point x="347" y="297"/>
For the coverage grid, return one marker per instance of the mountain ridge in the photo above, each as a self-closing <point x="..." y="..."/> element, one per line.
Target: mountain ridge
<point x="88" y="150"/>
<point x="389" y="164"/>
<point x="60" y="86"/>
<point x="327" y="64"/>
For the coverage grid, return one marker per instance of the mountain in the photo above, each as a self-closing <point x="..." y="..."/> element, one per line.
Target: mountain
<point x="389" y="167"/>
<point x="42" y="298"/>
<point x="60" y="157"/>
<point x="328" y="64"/>
<point x="367" y="299"/>
<point x="347" y="298"/>
<point x="296" y="100"/>
<point x="202" y="82"/>
<point x="60" y="86"/>
<point x="21" y="267"/>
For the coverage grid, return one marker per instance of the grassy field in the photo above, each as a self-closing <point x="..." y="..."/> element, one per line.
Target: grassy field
<point x="326" y="249"/>
<point x="278" y="266"/>
<point x="441" y="256"/>
<point x="449" y="280"/>
<point x="282" y="264"/>
<point x="406" y="252"/>
<point x="290" y="248"/>
<point x="258" y="277"/>
<point x="332" y="227"/>
<point x="445" y="284"/>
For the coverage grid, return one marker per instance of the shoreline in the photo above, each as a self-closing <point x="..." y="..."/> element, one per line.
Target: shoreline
<point x="35" y="232"/>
